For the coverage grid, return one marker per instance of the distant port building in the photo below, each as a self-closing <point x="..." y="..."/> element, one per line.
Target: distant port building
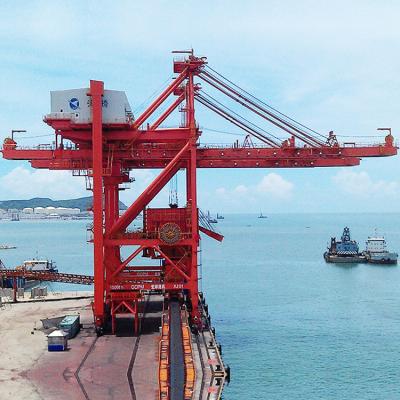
<point x="52" y="210"/>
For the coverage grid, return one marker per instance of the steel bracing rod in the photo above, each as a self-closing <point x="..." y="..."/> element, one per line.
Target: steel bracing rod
<point x="261" y="111"/>
<point x="167" y="112"/>
<point x="149" y="193"/>
<point x="126" y="262"/>
<point x="160" y="99"/>
<point x="265" y="134"/>
<point x="265" y="104"/>
<point x="173" y="265"/>
<point x="235" y="121"/>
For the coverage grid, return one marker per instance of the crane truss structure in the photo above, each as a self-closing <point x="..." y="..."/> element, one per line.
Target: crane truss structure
<point x="106" y="152"/>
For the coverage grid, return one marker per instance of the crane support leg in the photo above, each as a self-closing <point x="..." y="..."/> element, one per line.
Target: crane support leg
<point x="191" y="185"/>
<point x="96" y="92"/>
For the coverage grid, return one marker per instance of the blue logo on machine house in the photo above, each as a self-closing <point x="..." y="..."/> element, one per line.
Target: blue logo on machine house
<point x="74" y="103"/>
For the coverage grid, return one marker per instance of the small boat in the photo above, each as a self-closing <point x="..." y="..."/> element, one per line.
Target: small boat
<point x="220" y="216"/>
<point x="344" y="251"/>
<point x="7" y="247"/>
<point x="376" y="251"/>
<point x="262" y="216"/>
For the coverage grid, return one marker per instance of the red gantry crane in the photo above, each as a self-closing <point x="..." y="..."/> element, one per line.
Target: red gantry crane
<point x="105" y="152"/>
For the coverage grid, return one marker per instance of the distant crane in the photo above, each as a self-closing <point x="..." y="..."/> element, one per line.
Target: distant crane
<point x="106" y="152"/>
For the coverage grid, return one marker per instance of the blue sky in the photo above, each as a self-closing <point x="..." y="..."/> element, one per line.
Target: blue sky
<point x="331" y="66"/>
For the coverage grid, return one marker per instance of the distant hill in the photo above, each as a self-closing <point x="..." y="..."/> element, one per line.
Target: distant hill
<point x="83" y="203"/>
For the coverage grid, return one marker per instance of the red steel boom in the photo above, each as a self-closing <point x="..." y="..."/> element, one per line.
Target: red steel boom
<point x="106" y="152"/>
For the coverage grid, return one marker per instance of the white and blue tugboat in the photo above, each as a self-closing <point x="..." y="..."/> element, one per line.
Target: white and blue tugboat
<point x="377" y="253"/>
<point x="344" y="251"/>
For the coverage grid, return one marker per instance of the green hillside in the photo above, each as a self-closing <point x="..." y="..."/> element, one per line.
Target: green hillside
<point x="83" y="203"/>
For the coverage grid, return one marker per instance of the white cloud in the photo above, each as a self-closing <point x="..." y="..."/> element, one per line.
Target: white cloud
<point x="274" y="185"/>
<point x="361" y="184"/>
<point x="241" y="190"/>
<point x="221" y="191"/>
<point x="22" y="183"/>
<point x="271" y="186"/>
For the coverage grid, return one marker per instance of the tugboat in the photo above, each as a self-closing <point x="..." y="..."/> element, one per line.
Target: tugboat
<point x="377" y="253"/>
<point x="344" y="251"/>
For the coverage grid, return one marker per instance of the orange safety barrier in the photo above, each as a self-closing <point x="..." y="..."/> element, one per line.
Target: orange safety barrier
<point x="163" y="366"/>
<point x="190" y="374"/>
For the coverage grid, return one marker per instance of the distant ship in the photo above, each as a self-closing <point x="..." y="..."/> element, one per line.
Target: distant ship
<point x="38" y="265"/>
<point x="262" y="216"/>
<point x="377" y="253"/>
<point x="34" y="264"/>
<point x="344" y="251"/>
<point x="220" y="216"/>
<point x="7" y="247"/>
<point x="210" y="219"/>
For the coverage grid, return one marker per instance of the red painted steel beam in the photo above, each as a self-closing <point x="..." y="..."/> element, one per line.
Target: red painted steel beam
<point x="161" y="285"/>
<point x="156" y="156"/>
<point x="224" y="158"/>
<point x="278" y="162"/>
<point x="150" y="110"/>
<point x="133" y="211"/>
<point x="141" y="268"/>
<point x="137" y="277"/>
<point x="142" y="242"/>
<point x="96" y="92"/>
<point x="167" y="112"/>
<point x="211" y="234"/>
<point x="127" y="261"/>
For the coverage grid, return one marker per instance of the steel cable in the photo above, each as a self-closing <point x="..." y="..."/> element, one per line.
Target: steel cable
<point x="266" y="104"/>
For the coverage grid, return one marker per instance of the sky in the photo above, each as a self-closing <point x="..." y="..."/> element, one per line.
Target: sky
<point x="331" y="65"/>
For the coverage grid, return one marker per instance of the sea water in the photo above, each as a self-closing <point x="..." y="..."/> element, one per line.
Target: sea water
<point x="291" y="326"/>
